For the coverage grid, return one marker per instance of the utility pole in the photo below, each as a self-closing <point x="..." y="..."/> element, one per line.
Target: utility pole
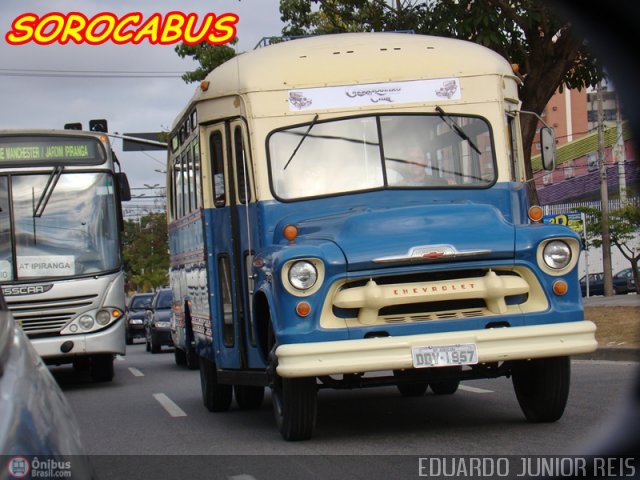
<point x="604" y="199"/>
<point x="620" y="156"/>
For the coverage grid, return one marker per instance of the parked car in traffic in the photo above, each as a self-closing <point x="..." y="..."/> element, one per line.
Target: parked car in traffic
<point x="157" y="321"/>
<point x="596" y="284"/>
<point x="36" y="419"/>
<point x="623" y="282"/>
<point x="135" y="311"/>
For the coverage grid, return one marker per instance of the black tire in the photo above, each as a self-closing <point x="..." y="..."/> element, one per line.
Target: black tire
<point x="155" y="345"/>
<point x="82" y="364"/>
<point x="101" y="369"/>
<point x="445" y="387"/>
<point x="180" y="357"/>
<point x="129" y="340"/>
<point x="248" y="397"/>
<point x="192" y="360"/>
<point x="542" y="387"/>
<point x="216" y="397"/>
<point x="415" y="388"/>
<point x="295" y="402"/>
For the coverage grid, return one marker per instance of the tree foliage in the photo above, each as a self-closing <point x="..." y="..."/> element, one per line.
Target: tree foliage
<point x="207" y="55"/>
<point x="529" y="33"/>
<point x="145" y="253"/>
<point x="624" y="225"/>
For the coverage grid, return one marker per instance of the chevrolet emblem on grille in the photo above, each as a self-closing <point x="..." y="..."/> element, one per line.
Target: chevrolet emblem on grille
<point x="431" y="252"/>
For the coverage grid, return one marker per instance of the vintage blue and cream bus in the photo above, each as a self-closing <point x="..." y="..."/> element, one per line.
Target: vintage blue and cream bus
<point x="352" y="210"/>
<point x="60" y="263"/>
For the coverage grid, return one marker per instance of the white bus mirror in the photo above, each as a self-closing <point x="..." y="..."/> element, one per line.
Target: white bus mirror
<point x="548" y="148"/>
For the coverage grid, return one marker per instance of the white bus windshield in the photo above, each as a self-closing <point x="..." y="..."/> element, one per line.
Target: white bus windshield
<point x="74" y="234"/>
<point x="390" y="151"/>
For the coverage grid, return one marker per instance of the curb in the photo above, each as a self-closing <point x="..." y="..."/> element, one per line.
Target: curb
<point x="616" y="354"/>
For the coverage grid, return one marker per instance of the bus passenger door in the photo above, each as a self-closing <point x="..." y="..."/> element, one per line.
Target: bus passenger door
<point x="229" y="245"/>
<point x="245" y="218"/>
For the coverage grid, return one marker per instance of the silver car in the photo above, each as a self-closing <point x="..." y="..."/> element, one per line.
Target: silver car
<point x="39" y="434"/>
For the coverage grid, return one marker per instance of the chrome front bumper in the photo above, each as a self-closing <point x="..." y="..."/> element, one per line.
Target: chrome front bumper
<point x="391" y="353"/>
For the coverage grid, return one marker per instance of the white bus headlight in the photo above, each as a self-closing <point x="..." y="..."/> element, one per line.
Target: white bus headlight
<point x="303" y="275"/>
<point x="103" y="317"/>
<point x="556" y="254"/>
<point x="86" y="322"/>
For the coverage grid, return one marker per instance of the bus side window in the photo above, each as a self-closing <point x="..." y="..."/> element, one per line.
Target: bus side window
<point x="241" y="167"/>
<point x="177" y="185"/>
<point x="197" y="191"/>
<point x="216" y="147"/>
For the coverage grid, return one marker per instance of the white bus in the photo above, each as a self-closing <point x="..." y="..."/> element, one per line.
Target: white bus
<point x="60" y="263"/>
<point x="351" y="211"/>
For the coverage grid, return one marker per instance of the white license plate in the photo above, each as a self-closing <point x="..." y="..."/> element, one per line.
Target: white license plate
<point x="444" y="355"/>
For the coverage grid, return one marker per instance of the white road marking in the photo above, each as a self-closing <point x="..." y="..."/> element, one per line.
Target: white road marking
<point x="242" y="476"/>
<point x="120" y="357"/>
<point x="474" y="389"/>
<point x="135" y="372"/>
<point x="169" y="405"/>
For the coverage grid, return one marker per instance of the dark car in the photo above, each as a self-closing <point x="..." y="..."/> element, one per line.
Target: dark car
<point x="623" y="281"/>
<point x="138" y="306"/>
<point x="36" y="419"/>
<point x="157" y="321"/>
<point x="596" y="284"/>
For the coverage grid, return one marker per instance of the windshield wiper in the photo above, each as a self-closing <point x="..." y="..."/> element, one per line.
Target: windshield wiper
<point x="306" y="134"/>
<point x="54" y="176"/>
<point x="456" y="128"/>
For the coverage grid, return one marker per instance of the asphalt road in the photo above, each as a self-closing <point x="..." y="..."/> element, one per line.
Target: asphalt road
<point x="151" y="419"/>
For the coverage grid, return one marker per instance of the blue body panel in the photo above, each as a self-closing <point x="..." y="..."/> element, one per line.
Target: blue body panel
<point x="347" y="233"/>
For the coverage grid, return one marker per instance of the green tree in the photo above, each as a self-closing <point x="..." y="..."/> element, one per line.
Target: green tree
<point x="624" y="225"/>
<point x="209" y="57"/>
<point x="549" y="53"/>
<point x="145" y="252"/>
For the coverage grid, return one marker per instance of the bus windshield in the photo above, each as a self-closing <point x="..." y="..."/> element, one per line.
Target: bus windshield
<point x="381" y="151"/>
<point x="75" y="232"/>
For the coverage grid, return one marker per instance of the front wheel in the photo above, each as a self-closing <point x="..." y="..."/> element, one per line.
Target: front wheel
<point x="155" y="345"/>
<point x="542" y="387"/>
<point x="414" y="388"/>
<point x="215" y="396"/>
<point x="101" y="368"/>
<point x="295" y="403"/>
<point x="445" y="387"/>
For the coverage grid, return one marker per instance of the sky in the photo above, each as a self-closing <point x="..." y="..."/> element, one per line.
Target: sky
<point x="80" y="91"/>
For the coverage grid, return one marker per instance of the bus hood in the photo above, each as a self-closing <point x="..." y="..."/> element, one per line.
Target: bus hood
<point x="371" y="238"/>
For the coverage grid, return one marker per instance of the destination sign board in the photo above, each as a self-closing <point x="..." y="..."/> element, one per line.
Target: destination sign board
<point x="44" y="150"/>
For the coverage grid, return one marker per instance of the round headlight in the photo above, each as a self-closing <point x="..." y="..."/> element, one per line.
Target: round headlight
<point x="556" y="254"/>
<point x="303" y="275"/>
<point x="103" y="317"/>
<point x="86" y="322"/>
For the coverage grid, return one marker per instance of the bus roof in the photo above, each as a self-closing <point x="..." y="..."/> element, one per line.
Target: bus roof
<point x="347" y="59"/>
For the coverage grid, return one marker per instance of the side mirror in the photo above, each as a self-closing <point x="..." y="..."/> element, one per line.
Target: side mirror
<point x="548" y="148"/>
<point x="123" y="186"/>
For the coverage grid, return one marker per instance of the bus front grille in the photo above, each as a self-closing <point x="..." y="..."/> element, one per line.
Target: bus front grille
<point x="48" y="317"/>
<point x="447" y="295"/>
